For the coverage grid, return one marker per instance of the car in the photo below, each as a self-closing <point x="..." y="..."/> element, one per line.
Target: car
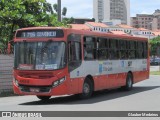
<point x="155" y="61"/>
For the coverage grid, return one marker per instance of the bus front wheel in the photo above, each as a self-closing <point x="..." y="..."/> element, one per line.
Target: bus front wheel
<point x="43" y="97"/>
<point x="87" y="89"/>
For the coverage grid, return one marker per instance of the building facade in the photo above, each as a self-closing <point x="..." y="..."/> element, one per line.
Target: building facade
<point x="142" y="21"/>
<point x="147" y="21"/>
<point x="106" y="10"/>
<point x="120" y="29"/>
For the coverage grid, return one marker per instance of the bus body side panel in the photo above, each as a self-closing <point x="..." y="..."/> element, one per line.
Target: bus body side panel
<point x="110" y="74"/>
<point x="140" y="75"/>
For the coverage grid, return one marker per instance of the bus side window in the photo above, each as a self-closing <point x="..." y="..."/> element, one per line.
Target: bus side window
<point x="145" y="49"/>
<point x="103" y="49"/>
<point x="140" y="50"/>
<point x="113" y="49"/>
<point x="89" y="48"/>
<point x="74" y="53"/>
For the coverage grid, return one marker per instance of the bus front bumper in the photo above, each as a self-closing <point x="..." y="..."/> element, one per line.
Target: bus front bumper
<point x="40" y="90"/>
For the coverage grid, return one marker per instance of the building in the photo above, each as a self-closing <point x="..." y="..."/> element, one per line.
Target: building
<point x="156" y="20"/>
<point x="82" y="20"/>
<point x="142" y="32"/>
<point x="80" y="27"/>
<point x="120" y="29"/>
<point x="147" y="21"/>
<point x="107" y="10"/>
<point x="98" y="27"/>
<point x="142" y="21"/>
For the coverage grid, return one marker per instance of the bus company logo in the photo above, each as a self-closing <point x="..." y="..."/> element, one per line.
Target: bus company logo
<point x="107" y="63"/>
<point x="122" y="63"/>
<point x="100" y="68"/>
<point x="77" y="73"/>
<point x="129" y="63"/>
<point x="6" y="114"/>
<point x="107" y="69"/>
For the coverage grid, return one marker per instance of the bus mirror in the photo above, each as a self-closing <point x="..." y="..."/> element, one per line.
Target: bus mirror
<point x="11" y="42"/>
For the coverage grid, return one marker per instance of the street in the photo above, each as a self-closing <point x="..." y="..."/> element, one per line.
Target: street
<point x="144" y="97"/>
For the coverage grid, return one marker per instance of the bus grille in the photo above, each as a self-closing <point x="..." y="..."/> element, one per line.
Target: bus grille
<point x="40" y="89"/>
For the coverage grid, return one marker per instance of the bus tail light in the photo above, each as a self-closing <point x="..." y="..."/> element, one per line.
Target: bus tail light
<point x="58" y="82"/>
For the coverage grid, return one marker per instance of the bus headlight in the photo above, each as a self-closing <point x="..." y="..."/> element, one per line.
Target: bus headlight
<point x="16" y="82"/>
<point x="58" y="82"/>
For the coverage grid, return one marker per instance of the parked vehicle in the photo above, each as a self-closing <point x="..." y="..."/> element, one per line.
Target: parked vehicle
<point x="155" y="61"/>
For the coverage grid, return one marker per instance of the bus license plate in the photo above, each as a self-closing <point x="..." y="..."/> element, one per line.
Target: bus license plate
<point x="34" y="90"/>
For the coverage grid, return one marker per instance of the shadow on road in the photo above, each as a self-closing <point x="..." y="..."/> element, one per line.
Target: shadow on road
<point x="97" y="97"/>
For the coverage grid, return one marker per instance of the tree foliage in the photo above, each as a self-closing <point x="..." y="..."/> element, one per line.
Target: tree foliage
<point x="64" y="11"/>
<point x="15" y="14"/>
<point x="55" y="6"/>
<point x="154" y="45"/>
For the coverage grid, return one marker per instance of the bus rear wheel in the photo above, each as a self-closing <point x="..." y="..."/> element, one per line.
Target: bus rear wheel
<point x="129" y="82"/>
<point x="87" y="89"/>
<point x="43" y="97"/>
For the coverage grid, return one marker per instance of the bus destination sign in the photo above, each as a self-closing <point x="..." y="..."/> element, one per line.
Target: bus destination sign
<point x="40" y="34"/>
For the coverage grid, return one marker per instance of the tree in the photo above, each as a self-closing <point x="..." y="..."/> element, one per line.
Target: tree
<point x="48" y="8"/>
<point x="55" y="6"/>
<point x="68" y="20"/>
<point x="64" y="11"/>
<point x="16" y="14"/>
<point x="154" y="45"/>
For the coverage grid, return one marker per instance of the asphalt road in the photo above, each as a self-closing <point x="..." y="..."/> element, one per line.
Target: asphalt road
<point x="145" y="96"/>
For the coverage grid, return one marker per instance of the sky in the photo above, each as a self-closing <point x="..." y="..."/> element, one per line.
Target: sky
<point x="84" y="8"/>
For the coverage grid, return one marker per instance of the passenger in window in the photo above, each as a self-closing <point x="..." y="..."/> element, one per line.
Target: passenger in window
<point x="89" y="54"/>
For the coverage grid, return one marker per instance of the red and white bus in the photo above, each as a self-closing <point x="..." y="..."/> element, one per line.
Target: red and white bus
<point x="52" y="61"/>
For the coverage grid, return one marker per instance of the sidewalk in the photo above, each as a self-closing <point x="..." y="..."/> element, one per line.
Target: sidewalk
<point x="154" y="68"/>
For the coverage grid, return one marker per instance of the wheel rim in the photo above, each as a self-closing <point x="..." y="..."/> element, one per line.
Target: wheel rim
<point x="86" y="88"/>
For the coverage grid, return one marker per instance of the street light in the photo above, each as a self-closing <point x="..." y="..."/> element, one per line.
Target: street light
<point x="59" y="10"/>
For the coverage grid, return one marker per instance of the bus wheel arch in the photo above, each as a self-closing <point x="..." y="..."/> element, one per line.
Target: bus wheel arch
<point x="88" y="87"/>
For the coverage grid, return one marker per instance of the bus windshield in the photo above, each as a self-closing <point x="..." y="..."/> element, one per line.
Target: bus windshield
<point x="48" y="55"/>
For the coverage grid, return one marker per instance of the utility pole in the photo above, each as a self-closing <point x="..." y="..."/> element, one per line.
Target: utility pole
<point x="59" y="10"/>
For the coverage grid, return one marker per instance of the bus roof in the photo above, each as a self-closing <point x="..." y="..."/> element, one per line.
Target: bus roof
<point x="87" y="33"/>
